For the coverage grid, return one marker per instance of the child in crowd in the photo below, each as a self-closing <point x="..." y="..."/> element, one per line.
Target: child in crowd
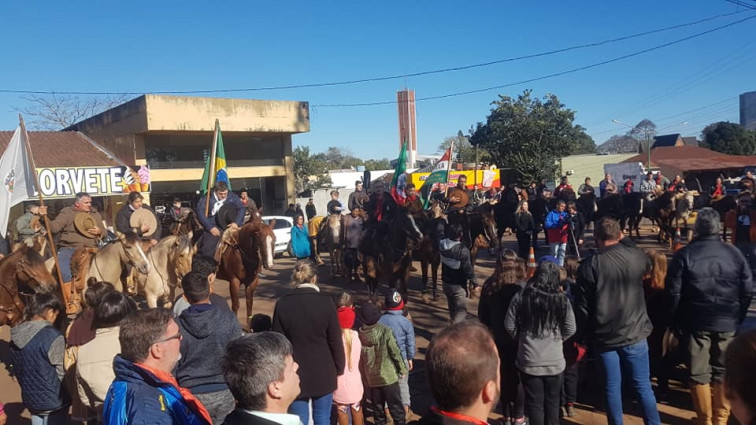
<point x="382" y="364"/>
<point x="349" y="391"/>
<point x="404" y="333"/>
<point x="260" y="323"/>
<point x="573" y="351"/>
<point x="540" y="318"/>
<point x="657" y="306"/>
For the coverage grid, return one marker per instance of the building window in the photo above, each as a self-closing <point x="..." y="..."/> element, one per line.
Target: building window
<point x="191" y="151"/>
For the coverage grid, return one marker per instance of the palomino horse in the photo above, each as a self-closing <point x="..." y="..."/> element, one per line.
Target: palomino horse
<point x="170" y="260"/>
<point x="334" y="241"/>
<point x="23" y="269"/>
<point x="428" y="251"/>
<point x="242" y="254"/>
<point x="388" y="255"/>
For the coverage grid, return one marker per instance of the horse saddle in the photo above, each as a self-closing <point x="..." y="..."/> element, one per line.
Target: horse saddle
<point x="229" y="237"/>
<point x="80" y="262"/>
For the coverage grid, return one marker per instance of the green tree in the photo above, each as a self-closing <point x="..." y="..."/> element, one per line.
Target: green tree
<point x="310" y="171"/>
<point x="378" y="164"/>
<point x="463" y="150"/>
<point x="583" y="143"/>
<point x="729" y="138"/>
<point x="339" y="158"/>
<point x="644" y="131"/>
<point x="527" y="134"/>
<point x="619" y="143"/>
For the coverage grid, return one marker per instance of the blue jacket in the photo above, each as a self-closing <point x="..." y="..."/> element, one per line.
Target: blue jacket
<point x="300" y="241"/>
<point x="209" y="222"/>
<point x="136" y="396"/>
<point x="403" y="331"/>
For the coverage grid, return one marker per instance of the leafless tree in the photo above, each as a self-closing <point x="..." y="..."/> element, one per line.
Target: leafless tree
<point x="56" y="112"/>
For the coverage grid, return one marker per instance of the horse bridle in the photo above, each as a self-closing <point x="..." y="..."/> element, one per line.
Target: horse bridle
<point x="15" y="298"/>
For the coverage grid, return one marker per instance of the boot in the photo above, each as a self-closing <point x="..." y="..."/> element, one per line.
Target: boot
<point x="721" y="410"/>
<point x="701" y="395"/>
<point x="69" y="298"/>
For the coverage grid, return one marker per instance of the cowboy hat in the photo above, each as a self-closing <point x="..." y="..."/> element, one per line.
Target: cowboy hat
<point x="226" y="215"/>
<point x="83" y="222"/>
<point x="144" y="216"/>
<point x="458" y="197"/>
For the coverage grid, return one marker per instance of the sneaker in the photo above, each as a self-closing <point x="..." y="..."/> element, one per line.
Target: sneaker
<point x="570" y="410"/>
<point x="520" y="421"/>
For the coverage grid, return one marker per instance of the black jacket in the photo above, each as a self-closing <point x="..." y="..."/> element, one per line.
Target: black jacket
<point x="240" y="417"/>
<point x="311" y="211"/>
<point x="611" y="307"/>
<point x="388" y="208"/>
<point x="123" y="222"/>
<point x="524" y="223"/>
<point x="309" y="320"/>
<point x="456" y="265"/>
<point x="710" y="286"/>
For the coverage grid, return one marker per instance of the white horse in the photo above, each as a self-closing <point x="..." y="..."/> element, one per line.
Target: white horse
<point x="170" y="260"/>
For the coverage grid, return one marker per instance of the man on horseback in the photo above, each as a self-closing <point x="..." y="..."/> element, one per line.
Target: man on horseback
<point x="358" y="198"/>
<point x="70" y="237"/>
<point x="717" y="190"/>
<point x="354" y="224"/>
<point x="212" y="225"/>
<point x="648" y="187"/>
<point x="123" y="218"/>
<point x="563" y="185"/>
<point x="24" y="224"/>
<point x="586" y="188"/>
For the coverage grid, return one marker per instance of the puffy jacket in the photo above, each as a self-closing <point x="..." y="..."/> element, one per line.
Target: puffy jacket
<point x="300" y="241"/>
<point x="611" y="307"/>
<point x="94" y="367"/>
<point x="556" y="227"/>
<point x="403" y="331"/>
<point x="456" y="266"/>
<point x="381" y="362"/>
<point x="710" y="285"/>
<point x="138" y="396"/>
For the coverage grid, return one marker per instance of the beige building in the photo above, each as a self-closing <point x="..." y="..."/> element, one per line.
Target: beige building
<point x="173" y="135"/>
<point x="578" y="167"/>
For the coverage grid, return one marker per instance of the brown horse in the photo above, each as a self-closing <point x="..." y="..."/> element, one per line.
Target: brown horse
<point x="334" y="241"/>
<point x="428" y="251"/>
<point x="22" y="270"/>
<point x="242" y="255"/>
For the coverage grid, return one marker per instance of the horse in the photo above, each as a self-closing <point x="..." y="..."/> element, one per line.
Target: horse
<point x="242" y="254"/>
<point x="586" y="205"/>
<point x="22" y="270"/>
<point x="723" y="205"/>
<point x="428" y="251"/>
<point x="170" y="260"/>
<point x="387" y="254"/>
<point x="482" y="222"/>
<point x="683" y="208"/>
<point x="188" y="224"/>
<point x="334" y="241"/>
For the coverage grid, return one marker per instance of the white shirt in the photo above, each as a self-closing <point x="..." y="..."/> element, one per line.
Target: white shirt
<point x="281" y="418"/>
<point x="217" y="205"/>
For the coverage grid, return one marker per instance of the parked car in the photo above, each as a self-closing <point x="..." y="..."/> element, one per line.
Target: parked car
<point x="282" y="229"/>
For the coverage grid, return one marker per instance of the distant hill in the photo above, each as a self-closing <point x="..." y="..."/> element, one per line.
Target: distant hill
<point x="618" y="144"/>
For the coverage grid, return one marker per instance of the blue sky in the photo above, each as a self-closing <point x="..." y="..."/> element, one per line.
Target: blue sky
<point x="141" y="46"/>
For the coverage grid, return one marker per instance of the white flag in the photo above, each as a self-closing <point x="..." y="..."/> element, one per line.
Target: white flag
<point x="16" y="178"/>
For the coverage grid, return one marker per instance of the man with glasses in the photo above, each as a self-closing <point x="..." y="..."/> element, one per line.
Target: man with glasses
<point x="144" y="390"/>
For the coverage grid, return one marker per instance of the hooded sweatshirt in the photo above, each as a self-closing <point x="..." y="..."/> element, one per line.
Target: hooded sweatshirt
<point x="205" y="330"/>
<point x="456" y="267"/>
<point x="381" y="361"/>
<point x="37" y="357"/>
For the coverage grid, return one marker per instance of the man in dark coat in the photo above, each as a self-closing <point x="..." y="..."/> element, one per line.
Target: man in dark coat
<point x="262" y="375"/>
<point x="611" y="307"/>
<point x="310" y="209"/>
<point x="456" y="271"/>
<point x="123" y="218"/>
<point x="211" y="222"/>
<point x="462" y="353"/>
<point x="710" y="285"/>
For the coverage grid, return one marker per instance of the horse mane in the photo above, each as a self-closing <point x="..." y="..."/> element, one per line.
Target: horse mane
<point x="184" y="243"/>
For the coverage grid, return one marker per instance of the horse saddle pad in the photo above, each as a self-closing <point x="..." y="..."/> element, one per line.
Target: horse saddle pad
<point x="80" y="262"/>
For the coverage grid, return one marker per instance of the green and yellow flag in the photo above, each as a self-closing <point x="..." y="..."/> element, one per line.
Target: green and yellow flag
<point x="221" y="173"/>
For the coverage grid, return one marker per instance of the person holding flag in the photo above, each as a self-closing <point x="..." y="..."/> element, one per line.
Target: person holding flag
<point x="439" y="175"/>
<point x="219" y="208"/>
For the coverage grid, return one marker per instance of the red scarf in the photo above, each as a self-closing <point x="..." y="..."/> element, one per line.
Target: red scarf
<point x="378" y="212"/>
<point x="718" y="191"/>
<point x="458" y="416"/>
<point x="189" y="398"/>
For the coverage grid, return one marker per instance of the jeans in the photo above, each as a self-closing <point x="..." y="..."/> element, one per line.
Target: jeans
<point x="404" y="389"/>
<point x="218" y="404"/>
<point x="64" y="260"/>
<point x="54" y="418"/>
<point x="542" y="398"/>
<point x="321" y="409"/>
<point x="557" y="250"/>
<point x="456" y="298"/>
<point x="390" y="395"/>
<point x="523" y="244"/>
<point x="634" y="360"/>
<point x="208" y="244"/>
<point x="570" y="386"/>
<point x="512" y="397"/>
<point x="706" y="355"/>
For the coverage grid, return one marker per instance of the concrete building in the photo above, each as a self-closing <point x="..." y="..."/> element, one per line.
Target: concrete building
<point x="748" y="110"/>
<point x="405" y="101"/>
<point x="578" y="167"/>
<point x="172" y="135"/>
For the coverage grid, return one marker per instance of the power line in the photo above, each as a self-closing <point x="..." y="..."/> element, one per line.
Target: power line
<point x="548" y="76"/>
<point x="742" y="4"/>
<point x="384" y="78"/>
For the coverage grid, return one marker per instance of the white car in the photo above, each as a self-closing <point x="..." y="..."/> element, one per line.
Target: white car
<point x="282" y="229"/>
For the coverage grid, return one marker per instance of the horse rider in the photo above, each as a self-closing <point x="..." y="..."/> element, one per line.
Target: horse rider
<point x="462" y="185"/>
<point x="678" y="185"/>
<point x="358" y="198"/>
<point x="23" y="224"/>
<point x="412" y="199"/>
<point x="135" y="202"/>
<point x="564" y="184"/>
<point x="717" y="190"/>
<point x="628" y="186"/>
<point x="662" y="181"/>
<point x="69" y="237"/>
<point x="748" y="181"/>
<point x="334" y="206"/>
<point x="586" y="188"/>
<point x="604" y="183"/>
<point x="532" y="191"/>
<point x="212" y="231"/>
<point x="381" y="209"/>
<point x="648" y="187"/>
<point x="354" y="224"/>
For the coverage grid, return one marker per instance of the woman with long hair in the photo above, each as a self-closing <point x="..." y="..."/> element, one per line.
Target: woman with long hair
<point x="662" y="340"/>
<point x="540" y="318"/>
<point x="310" y="321"/>
<point x="524" y="228"/>
<point x="497" y="294"/>
<point x="348" y="395"/>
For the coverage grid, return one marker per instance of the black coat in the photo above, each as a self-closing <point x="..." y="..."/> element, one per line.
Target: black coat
<point x="240" y="417"/>
<point x="710" y="285"/>
<point x="123" y="222"/>
<point x="611" y="307"/>
<point x="524" y="223"/>
<point x="309" y="320"/>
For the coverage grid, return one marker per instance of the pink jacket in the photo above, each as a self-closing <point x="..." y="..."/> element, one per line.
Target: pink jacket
<point x="349" y="385"/>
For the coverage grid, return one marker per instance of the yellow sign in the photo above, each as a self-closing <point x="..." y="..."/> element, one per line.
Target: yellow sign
<point x="486" y="178"/>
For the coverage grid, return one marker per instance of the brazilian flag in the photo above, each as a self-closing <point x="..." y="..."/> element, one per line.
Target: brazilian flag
<point x="221" y="173"/>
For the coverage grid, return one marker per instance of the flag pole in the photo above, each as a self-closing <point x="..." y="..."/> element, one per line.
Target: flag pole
<point x="211" y="169"/>
<point x="46" y="220"/>
<point x="448" y="168"/>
